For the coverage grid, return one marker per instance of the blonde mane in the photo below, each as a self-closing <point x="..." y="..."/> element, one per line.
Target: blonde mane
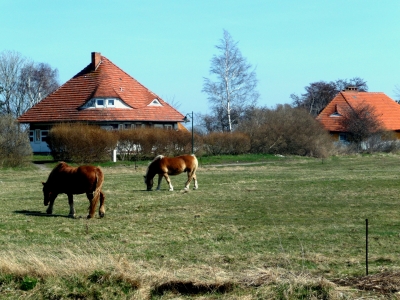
<point x="155" y="158"/>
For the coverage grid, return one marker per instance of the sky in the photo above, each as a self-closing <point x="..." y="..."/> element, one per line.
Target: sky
<point x="167" y="45"/>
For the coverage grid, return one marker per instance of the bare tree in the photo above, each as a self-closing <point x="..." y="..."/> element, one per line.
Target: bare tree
<point x="23" y="83"/>
<point x="319" y="94"/>
<point x="235" y="87"/>
<point x="361" y="123"/>
<point x="397" y="93"/>
<point x="11" y="63"/>
<point x="38" y="80"/>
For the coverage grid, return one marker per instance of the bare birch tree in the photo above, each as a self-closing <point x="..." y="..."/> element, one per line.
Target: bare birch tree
<point x="235" y="87"/>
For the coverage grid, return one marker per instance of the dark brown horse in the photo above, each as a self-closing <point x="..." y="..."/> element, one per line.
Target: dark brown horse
<point x="164" y="166"/>
<point x="72" y="181"/>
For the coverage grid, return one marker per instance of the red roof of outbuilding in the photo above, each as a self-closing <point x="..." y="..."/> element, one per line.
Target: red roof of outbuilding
<point x="386" y="109"/>
<point x="101" y="78"/>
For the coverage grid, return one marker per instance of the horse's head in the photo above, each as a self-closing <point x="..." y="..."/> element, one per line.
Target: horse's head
<point x="148" y="182"/>
<point x="47" y="193"/>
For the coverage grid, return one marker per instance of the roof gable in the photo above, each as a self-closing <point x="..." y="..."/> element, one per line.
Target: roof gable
<point x="386" y="109"/>
<point x="101" y="79"/>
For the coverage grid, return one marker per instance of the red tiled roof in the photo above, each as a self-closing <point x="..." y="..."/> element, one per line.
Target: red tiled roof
<point x="386" y="109"/>
<point x="101" y="78"/>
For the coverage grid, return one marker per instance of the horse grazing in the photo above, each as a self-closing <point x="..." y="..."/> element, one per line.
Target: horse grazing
<point x="164" y="166"/>
<point x="64" y="179"/>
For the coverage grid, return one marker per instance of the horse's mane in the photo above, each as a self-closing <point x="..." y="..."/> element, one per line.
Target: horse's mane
<point x="155" y="158"/>
<point x="61" y="165"/>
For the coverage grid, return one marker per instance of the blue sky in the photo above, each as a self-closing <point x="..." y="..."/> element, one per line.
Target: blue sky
<point x="167" y="45"/>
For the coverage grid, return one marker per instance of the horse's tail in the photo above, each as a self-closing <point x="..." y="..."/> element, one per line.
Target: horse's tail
<point x="98" y="183"/>
<point x="196" y="162"/>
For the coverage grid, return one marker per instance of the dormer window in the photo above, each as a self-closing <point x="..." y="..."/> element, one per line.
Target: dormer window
<point x="336" y="112"/>
<point x="100" y="103"/>
<point x="105" y="103"/>
<point x="155" y="102"/>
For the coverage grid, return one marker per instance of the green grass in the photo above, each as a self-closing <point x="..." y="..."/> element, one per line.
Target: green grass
<point x="284" y="228"/>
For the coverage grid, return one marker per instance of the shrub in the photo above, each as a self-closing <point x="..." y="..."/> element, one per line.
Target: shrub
<point x="217" y="143"/>
<point x="15" y="149"/>
<point x="147" y="142"/>
<point x="286" y="130"/>
<point x="81" y="143"/>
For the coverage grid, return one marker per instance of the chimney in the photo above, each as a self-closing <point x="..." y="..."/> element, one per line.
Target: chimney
<point x="96" y="59"/>
<point x="351" y="89"/>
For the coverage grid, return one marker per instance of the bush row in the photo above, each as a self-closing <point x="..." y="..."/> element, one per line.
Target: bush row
<point x="88" y="143"/>
<point x="81" y="143"/>
<point x="283" y="130"/>
<point x="146" y="142"/>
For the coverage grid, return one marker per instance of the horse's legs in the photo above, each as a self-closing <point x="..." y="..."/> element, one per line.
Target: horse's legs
<point x="160" y="177"/>
<point x="196" y="186"/>
<point x="51" y="203"/>
<point x="93" y="201"/>
<point x="102" y="210"/>
<point x="171" y="188"/>
<point x="71" y="206"/>
<point x="191" y="175"/>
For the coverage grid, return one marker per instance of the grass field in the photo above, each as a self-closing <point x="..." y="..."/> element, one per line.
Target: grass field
<point x="284" y="228"/>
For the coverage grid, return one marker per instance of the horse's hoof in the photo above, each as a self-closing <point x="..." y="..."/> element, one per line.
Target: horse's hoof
<point x="89" y="217"/>
<point x="101" y="215"/>
<point x="71" y="216"/>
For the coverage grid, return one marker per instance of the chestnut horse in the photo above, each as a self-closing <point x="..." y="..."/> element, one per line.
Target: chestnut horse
<point x="72" y="181"/>
<point x="164" y="166"/>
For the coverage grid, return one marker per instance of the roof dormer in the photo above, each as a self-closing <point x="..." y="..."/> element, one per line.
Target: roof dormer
<point x="104" y="103"/>
<point x="155" y="102"/>
<point x="336" y="113"/>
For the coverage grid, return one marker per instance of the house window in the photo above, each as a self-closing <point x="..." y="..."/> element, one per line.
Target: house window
<point x="158" y="126"/>
<point x="342" y="137"/>
<point x="37" y="137"/>
<point x="168" y="127"/>
<point x="100" y="103"/>
<point x="155" y="102"/>
<point x="110" y="103"/>
<point x="45" y="133"/>
<point x="31" y="134"/>
<point x="120" y="126"/>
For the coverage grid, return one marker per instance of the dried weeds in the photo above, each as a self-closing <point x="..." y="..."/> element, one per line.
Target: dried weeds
<point x="384" y="283"/>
